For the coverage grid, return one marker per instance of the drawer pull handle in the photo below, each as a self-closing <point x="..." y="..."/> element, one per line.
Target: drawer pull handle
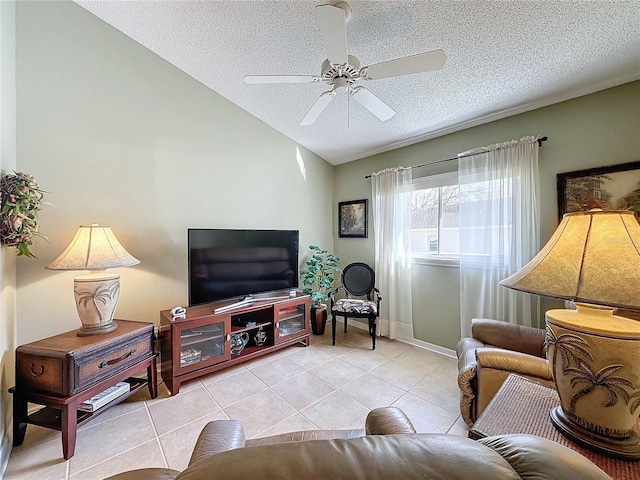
<point x="106" y="363"/>
<point x="33" y="372"/>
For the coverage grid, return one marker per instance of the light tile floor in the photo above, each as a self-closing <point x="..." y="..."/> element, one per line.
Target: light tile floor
<point x="298" y="388"/>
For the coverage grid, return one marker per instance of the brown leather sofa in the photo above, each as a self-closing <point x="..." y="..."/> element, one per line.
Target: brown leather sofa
<point x="390" y="449"/>
<point x="495" y="350"/>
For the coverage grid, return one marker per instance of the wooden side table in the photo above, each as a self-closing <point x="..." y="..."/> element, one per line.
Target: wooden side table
<point x="80" y="367"/>
<point x="522" y="406"/>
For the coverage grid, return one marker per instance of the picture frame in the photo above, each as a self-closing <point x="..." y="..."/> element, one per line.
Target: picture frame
<point x="352" y="219"/>
<point x="612" y="187"/>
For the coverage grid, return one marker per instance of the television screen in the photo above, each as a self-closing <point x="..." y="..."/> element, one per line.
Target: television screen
<point x="226" y="264"/>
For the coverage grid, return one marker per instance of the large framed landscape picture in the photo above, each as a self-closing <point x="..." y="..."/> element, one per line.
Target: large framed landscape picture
<point x="614" y="187"/>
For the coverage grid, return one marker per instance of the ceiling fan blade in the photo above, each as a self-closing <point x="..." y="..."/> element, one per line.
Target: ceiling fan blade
<point x="317" y="108"/>
<point x="332" y="23"/>
<point x="423" y="62"/>
<point x="260" y="79"/>
<point x="372" y="103"/>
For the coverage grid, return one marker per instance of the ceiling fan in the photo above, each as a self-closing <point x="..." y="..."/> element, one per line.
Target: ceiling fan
<point x="343" y="71"/>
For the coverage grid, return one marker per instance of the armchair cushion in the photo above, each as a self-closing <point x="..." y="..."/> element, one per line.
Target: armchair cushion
<point x="494" y="365"/>
<point x="351" y="305"/>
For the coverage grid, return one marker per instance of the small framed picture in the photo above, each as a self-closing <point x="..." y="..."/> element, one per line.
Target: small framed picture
<point x="352" y="219"/>
<point x="614" y="187"/>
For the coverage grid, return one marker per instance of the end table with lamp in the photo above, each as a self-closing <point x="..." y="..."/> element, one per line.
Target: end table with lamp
<point x="63" y="371"/>
<point x="522" y="405"/>
<point x="592" y="259"/>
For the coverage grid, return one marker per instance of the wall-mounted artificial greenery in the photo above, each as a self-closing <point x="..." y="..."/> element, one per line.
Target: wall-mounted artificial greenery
<point x="22" y="199"/>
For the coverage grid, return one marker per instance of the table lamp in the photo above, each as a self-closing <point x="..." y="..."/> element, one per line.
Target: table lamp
<point x="592" y="259"/>
<point x="95" y="248"/>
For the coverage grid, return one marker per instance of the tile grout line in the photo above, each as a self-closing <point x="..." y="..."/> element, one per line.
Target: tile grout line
<point x="326" y="356"/>
<point x="104" y="460"/>
<point x="155" y="431"/>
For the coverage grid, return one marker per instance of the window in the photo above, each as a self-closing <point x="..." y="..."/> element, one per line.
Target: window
<point x="437" y="205"/>
<point x="434" y="217"/>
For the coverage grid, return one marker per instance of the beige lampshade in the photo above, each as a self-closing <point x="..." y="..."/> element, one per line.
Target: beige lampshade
<point x="94" y="247"/>
<point x="593" y="257"/>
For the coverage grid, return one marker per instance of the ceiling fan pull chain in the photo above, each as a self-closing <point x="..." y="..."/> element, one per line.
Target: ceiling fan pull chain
<point x="348" y="107"/>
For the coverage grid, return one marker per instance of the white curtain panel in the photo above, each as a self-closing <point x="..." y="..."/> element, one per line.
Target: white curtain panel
<point x="392" y="235"/>
<point x="499" y="230"/>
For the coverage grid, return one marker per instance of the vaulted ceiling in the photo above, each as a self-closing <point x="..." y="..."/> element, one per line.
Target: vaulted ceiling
<point x="502" y="58"/>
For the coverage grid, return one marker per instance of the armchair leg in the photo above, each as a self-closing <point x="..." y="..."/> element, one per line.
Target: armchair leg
<point x="345" y="324"/>
<point x="372" y="331"/>
<point x="333" y="329"/>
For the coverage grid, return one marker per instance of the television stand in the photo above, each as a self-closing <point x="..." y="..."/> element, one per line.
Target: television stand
<point x="201" y="343"/>
<point x="248" y="301"/>
<point x="233" y="306"/>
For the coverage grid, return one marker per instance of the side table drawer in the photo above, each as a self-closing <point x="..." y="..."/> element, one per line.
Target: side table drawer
<point x="93" y="368"/>
<point x="66" y="364"/>
<point x="38" y="372"/>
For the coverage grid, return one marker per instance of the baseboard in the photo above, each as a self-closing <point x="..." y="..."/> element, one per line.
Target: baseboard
<point x="355" y="323"/>
<point x="447" y="352"/>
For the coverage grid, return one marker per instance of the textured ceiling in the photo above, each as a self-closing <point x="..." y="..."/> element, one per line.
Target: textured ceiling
<point x="503" y="57"/>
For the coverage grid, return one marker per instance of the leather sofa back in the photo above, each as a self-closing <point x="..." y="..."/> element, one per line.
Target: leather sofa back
<point x="406" y="456"/>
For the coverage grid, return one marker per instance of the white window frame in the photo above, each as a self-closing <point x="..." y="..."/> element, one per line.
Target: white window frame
<point x="435" y="181"/>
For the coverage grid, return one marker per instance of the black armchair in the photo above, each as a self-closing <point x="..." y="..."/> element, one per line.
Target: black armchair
<point x="358" y="280"/>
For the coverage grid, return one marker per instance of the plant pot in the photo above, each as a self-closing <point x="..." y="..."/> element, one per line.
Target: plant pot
<point x="318" y="319"/>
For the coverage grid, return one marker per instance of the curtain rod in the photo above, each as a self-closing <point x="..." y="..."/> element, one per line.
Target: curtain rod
<point x="539" y="140"/>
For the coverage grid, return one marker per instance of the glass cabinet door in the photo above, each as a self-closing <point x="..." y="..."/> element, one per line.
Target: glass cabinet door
<point x="202" y="343"/>
<point x="291" y="319"/>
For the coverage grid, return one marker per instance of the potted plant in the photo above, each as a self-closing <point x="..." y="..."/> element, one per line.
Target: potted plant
<point x="318" y="278"/>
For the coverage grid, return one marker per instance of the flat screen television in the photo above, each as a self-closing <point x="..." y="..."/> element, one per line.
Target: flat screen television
<point x="234" y="264"/>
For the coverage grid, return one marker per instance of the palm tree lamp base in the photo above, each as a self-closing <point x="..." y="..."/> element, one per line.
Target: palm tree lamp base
<point x="96" y="298"/>
<point x="594" y="356"/>
<point x="627" y="448"/>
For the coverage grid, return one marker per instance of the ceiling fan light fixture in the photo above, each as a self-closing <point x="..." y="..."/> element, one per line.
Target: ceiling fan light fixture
<point x="340" y="82"/>
<point x="350" y="70"/>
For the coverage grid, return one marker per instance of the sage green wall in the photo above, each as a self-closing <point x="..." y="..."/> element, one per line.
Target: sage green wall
<point x="594" y="130"/>
<point x="7" y="256"/>
<point x="120" y="137"/>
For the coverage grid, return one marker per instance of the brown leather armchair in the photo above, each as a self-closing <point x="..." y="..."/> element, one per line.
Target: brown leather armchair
<point x="391" y="449"/>
<point x="495" y="350"/>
